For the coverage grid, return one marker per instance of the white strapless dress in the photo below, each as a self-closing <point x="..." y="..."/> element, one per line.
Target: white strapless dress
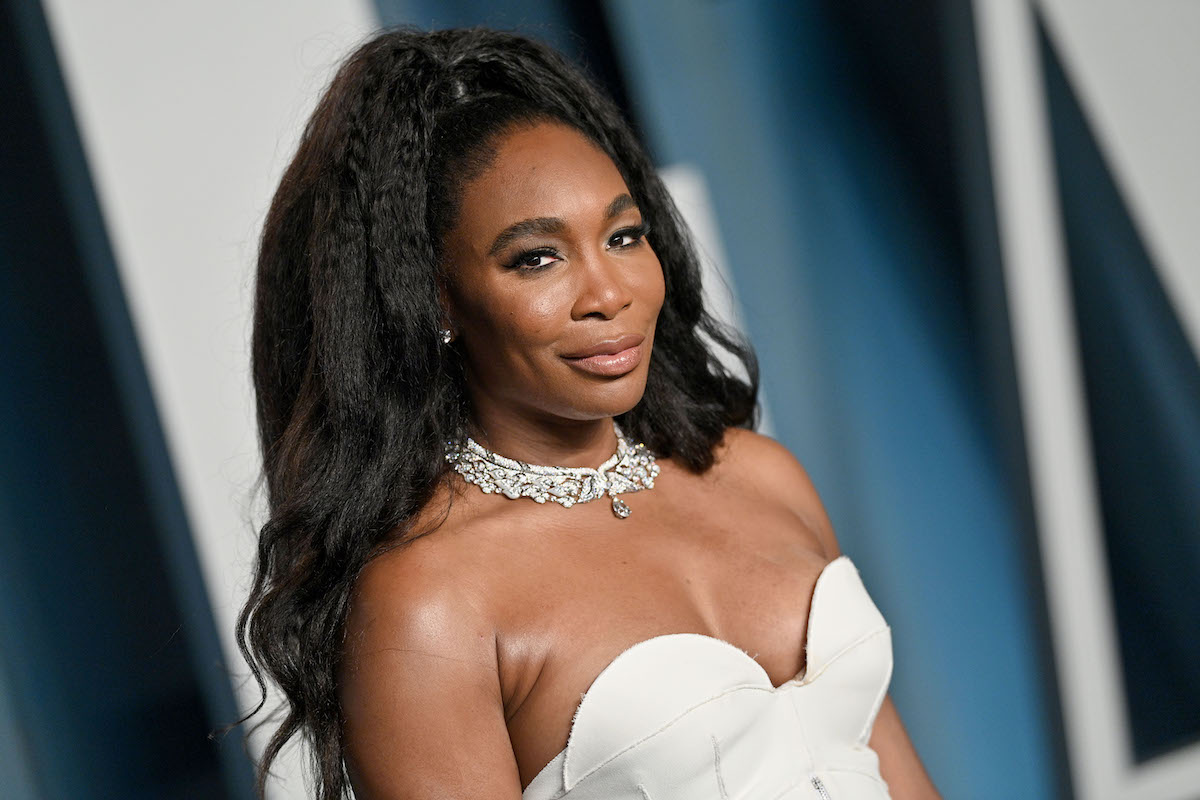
<point x="685" y="716"/>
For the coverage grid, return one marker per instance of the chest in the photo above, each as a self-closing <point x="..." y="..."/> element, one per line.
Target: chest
<point x="585" y="588"/>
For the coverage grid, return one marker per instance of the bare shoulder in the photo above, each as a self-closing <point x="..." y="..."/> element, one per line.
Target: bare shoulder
<point x="768" y="466"/>
<point x="426" y="575"/>
<point x="415" y="590"/>
<point x="425" y="596"/>
<point x="419" y="682"/>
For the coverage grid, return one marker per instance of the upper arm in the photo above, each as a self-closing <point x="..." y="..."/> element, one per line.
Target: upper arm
<point x="899" y="764"/>
<point x="778" y="471"/>
<point x="423" y="715"/>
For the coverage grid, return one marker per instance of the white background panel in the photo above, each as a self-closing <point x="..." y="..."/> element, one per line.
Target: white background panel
<point x="1136" y="69"/>
<point x="188" y="113"/>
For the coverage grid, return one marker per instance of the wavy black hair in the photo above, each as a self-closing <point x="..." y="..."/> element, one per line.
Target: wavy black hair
<point x="355" y="392"/>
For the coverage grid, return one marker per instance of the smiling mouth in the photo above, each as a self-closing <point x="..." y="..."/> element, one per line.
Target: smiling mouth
<point x="614" y="363"/>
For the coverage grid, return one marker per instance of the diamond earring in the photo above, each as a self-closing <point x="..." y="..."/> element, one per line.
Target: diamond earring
<point x="446" y="335"/>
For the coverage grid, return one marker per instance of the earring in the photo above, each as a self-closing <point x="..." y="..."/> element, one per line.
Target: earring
<point x="447" y="336"/>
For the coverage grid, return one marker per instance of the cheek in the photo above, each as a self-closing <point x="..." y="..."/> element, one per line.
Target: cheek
<point x="516" y="318"/>
<point x="654" y="286"/>
<point x="541" y="312"/>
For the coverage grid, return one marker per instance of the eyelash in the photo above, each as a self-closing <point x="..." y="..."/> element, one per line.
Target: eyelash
<point x="636" y="232"/>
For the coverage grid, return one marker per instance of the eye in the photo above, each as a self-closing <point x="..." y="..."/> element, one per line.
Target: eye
<point x="629" y="237"/>
<point x="534" y="260"/>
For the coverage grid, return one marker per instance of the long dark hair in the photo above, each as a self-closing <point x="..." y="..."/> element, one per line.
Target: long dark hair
<point x="356" y="393"/>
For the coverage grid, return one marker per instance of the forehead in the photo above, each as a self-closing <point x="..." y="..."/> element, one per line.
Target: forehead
<point x="544" y="170"/>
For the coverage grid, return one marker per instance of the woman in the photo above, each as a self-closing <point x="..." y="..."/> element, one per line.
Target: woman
<point x="471" y="267"/>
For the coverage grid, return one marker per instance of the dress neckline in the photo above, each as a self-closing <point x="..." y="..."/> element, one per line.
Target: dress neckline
<point x="799" y="678"/>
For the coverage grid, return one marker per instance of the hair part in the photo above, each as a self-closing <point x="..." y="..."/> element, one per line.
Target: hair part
<point x="355" y="394"/>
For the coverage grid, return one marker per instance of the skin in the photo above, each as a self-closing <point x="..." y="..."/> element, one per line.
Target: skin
<point x="468" y="649"/>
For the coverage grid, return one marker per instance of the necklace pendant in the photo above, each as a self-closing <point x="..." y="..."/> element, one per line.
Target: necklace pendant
<point x="620" y="509"/>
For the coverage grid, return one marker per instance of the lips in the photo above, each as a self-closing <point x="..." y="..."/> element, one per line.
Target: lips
<point x="609" y="347"/>
<point x="611" y="357"/>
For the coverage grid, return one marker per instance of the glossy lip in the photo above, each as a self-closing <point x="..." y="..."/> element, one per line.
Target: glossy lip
<point x="609" y="347"/>
<point x="610" y="358"/>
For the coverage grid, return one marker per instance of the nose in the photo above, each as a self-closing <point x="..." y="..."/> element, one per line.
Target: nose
<point x="604" y="287"/>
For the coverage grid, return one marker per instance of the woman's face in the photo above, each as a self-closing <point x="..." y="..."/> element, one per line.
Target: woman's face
<point x="553" y="289"/>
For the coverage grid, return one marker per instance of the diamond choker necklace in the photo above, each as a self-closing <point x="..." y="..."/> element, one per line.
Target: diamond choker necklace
<point x="630" y="469"/>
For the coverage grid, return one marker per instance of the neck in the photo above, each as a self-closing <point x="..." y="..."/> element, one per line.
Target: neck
<point x="549" y="442"/>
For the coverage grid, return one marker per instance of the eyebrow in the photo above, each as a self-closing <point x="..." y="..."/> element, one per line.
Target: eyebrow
<point x="551" y="225"/>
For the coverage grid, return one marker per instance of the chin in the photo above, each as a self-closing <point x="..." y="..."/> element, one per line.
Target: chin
<point x="612" y="399"/>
